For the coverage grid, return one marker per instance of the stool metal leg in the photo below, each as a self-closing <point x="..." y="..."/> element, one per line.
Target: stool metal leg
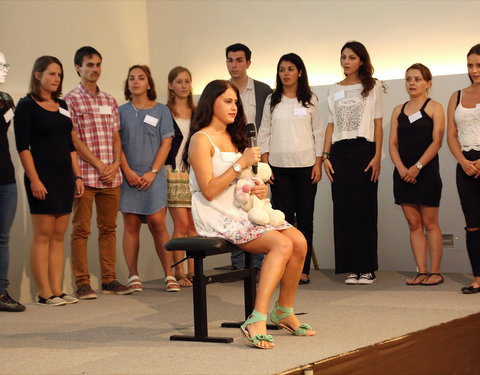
<point x="200" y="309"/>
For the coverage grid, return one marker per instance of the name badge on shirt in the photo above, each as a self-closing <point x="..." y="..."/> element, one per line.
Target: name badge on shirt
<point x="64" y="112"/>
<point x="150" y="120"/>
<point x="105" y="110"/>
<point x="339" y="95"/>
<point x="8" y="115"/>
<point x="477" y="106"/>
<point x="417" y="115"/>
<point x="300" y="111"/>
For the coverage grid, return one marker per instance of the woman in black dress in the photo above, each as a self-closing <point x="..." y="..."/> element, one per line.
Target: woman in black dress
<point x="416" y="134"/>
<point x="52" y="174"/>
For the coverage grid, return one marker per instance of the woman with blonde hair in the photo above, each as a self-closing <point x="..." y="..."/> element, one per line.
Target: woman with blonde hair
<point x="180" y="103"/>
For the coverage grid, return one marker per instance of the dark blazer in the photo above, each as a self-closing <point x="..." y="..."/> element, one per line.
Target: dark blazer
<point x="262" y="90"/>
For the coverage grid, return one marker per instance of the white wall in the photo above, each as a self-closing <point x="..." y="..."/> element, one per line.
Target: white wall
<point x="166" y="33"/>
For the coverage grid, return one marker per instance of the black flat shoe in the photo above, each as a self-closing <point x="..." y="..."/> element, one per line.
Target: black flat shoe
<point x="304" y="280"/>
<point x="470" y="290"/>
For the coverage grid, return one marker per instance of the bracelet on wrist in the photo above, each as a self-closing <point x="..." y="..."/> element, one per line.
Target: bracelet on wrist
<point x="326" y="155"/>
<point x="78" y="178"/>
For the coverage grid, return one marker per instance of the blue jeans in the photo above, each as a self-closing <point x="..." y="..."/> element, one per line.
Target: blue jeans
<point x="238" y="260"/>
<point x="8" y="206"/>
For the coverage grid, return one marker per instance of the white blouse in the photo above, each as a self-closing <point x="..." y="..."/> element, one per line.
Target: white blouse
<point x="292" y="134"/>
<point x="352" y="115"/>
<point x="468" y="127"/>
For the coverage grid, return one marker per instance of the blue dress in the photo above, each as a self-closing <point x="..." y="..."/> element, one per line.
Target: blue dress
<point x="142" y="131"/>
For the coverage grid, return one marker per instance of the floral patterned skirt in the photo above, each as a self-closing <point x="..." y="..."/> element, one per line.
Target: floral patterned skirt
<point x="179" y="194"/>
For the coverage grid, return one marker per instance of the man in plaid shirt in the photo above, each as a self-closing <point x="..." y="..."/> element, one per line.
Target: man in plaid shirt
<point x="96" y="137"/>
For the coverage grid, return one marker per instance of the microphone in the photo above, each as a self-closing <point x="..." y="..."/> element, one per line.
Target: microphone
<point x="252" y="141"/>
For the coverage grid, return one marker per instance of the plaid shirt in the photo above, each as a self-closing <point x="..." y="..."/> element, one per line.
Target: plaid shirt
<point x="95" y="119"/>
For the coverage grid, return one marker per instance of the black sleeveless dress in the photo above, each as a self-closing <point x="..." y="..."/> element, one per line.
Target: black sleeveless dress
<point x="413" y="139"/>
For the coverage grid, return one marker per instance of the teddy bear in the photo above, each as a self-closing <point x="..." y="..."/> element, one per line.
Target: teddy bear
<point x="260" y="211"/>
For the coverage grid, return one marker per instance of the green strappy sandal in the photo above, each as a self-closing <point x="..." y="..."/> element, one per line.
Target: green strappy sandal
<point x="286" y="312"/>
<point x="255" y="340"/>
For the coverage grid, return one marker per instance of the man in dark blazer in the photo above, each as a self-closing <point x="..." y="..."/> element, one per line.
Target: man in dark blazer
<point x="253" y="94"/>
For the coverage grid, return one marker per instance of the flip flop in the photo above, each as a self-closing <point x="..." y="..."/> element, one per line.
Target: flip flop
<point x="431" y="284"/>
<point x="419" y="274"/>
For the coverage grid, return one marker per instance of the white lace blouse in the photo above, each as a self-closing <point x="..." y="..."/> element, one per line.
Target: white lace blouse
<point x="468" y="126"/>
<point x="352" y="115"/>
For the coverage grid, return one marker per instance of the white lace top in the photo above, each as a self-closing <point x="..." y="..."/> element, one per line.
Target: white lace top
<point x="352" y="115"/>
<point x="468" y="126"/>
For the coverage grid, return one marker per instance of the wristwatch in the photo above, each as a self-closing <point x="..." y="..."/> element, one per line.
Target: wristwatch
<point x="154" y="171"/>
<point x="237" y="167"/>
<point x="419" y="166"/>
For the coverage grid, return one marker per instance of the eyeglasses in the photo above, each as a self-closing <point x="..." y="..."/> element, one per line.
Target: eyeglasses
<point x="4" y="66"/>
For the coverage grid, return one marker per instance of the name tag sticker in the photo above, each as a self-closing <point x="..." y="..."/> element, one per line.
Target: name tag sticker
<point x="339" y="95"/>
<point x="300" y="111"/>
<point x="8" y="115"/>
<point x="150" y="120"/>
<point x="105" y="110"/>
<point x="64" y="112"/>
<point x="478" y="106"/>
<point x="228" y="156"/>
<point x="415" y="117"/>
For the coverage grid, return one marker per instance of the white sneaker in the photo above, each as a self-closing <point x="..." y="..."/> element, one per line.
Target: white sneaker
<point x="51" y="302"/>
<point x="366" y="278"/>
<point x="352" y="279"/>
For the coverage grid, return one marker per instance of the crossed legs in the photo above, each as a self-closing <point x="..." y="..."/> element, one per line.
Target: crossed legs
<point x="285" y="254"/>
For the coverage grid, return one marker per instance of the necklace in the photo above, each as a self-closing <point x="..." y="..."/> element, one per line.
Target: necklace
<point x="137" y="109"/>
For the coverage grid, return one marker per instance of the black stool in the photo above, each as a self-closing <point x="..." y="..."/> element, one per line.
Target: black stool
<point x="199" y="248"/>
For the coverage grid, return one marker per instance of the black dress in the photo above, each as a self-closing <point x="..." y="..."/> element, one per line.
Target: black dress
<point x="47" y="134"/>
<point x="413" y="139"/>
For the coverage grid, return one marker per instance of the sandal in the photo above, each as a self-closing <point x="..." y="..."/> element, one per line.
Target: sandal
<point x="171" y="284"/>
<point x="190" y="276"/>
<point x="430" y="275"/>
<point x="183" y="280"/>
<point x="286" y="312"/>
<point x="134" y="283"/>
<point x="255" y="340"/>
<point x="304" y="279"/>
<point x="419" y="274"/>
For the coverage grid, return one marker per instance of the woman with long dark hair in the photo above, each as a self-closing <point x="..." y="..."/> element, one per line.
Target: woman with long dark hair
<point x="463" y="135"/>
<point x="291" y="141"/>
<point x="352" y="153"/>
<point x="146" y="134"/>
<point x="217" y="150"/>
<point x="180" y="103"/>
<point x="52" y="175"/>
<point x="416" y="134"/>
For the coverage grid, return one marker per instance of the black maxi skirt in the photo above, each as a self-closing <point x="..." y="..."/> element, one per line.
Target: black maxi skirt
<point x="354" y="206"/>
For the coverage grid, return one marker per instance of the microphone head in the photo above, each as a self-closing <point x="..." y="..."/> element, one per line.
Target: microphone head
<point x="251" y="130"/>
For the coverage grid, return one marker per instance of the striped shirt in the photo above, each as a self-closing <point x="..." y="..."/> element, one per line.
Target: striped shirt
<point x="95" y="119"/>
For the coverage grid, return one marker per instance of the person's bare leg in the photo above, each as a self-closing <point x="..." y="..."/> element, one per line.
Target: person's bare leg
<point x="278" y="249"/>
<point x="181" y="228"/>
<point x="43" y="226"/>
<point x="156" y="225"/>
<point x="418" y="240"/>
<point x="56" y="254"/>
<point x="131" y="241"/>
<point x="435" y="241"/>
<point x="291" y="276"/>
